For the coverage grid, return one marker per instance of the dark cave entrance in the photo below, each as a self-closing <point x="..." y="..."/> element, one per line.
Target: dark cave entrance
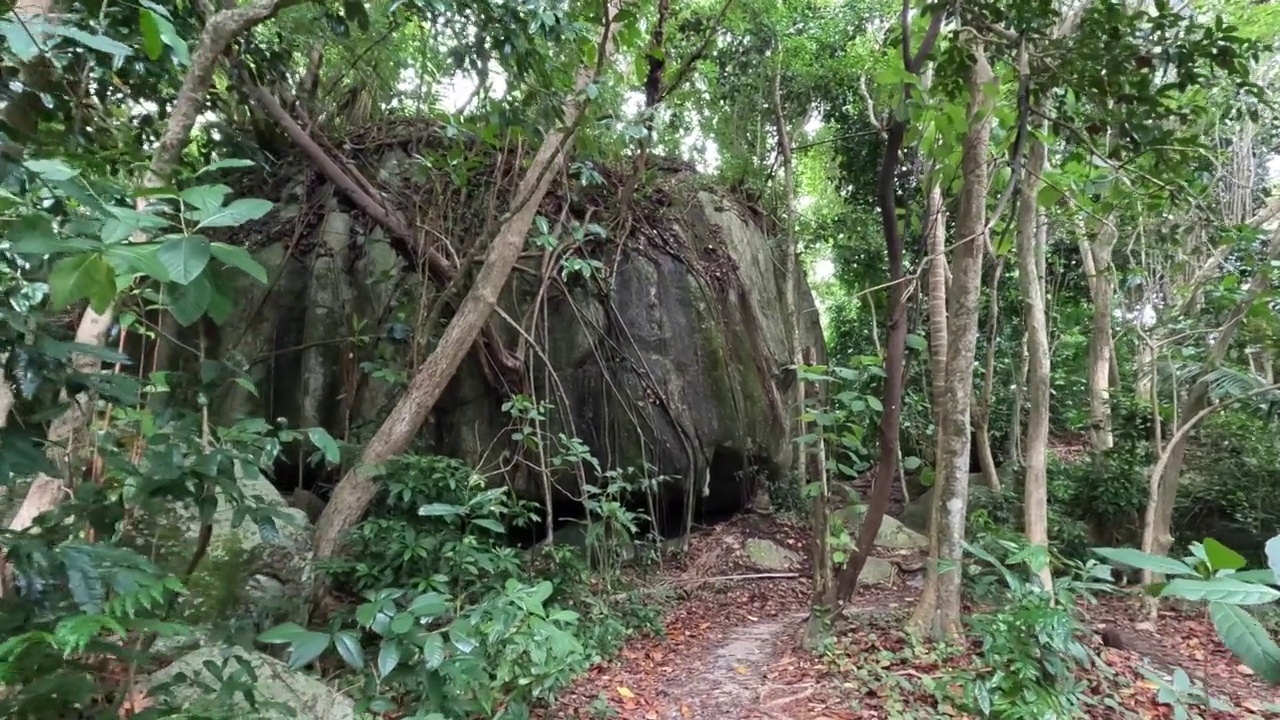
<point x="293" y="471"/>
<point x="727" y="488"/>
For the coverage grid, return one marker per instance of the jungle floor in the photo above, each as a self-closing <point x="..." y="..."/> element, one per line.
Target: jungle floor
<point x="732" y="651"/>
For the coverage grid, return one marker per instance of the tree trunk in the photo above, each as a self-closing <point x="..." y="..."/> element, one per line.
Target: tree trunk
<point x="939" y="616"/>
<point x="1096" y="256"/>
<point x="1014" y="444"/>
<point x="823" y="596"/>
<point x="982" y="408"/>
<point x="357" y="488"/>
<point x="789" y="252"/>
<point x="936" y="238"/>
<point x="1030" y="244"/>
<point x="46" y="491"/>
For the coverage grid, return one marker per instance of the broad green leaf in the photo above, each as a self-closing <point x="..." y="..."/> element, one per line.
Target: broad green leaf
<point x="237" y="213"/>
<point x="307" y="647"/>
<point x="19" y="38"/>
<point x="282" y="634"/>
<point x="185" y="257"/>
<point x="1247" y="639"/>
<point x="33" y="234"/>
<point x="915" y="342"/>
<point x="135" y="259"/>
<point x="100" y="43"/>
<point x="149" y="26"/>
<point x="1261" y="575"/>
<point x="124" y="222"/>
<point x="325" y="442"/>
<point x="82" y="276"/>
<point x="1221" y="589"/>
<point x="388" y="657"/>
<point x="228" y="163"/>
<point x="240" y="259"/>
<point x="189" y="302"/>
<point x="433" y="651"/>
<point x="1048" y="196"/>
<point x="429" y="605"/>
<point x="1144" y="561"/>
<point x="401" y="623"/>
<point x="1221" y="557"/>
<point x="489" y="524"/>
<point x="168" y="33"/>
<point x="439" y="510"/>
<point x="51" y="169"/>
<point x="205" y="197"/>
<point x="348" y="644"/>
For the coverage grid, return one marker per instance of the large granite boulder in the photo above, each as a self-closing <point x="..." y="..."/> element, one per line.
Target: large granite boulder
<point x="667" y="354"/>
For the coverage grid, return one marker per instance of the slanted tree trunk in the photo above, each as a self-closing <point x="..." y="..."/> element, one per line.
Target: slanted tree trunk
<point x="938" y="612"/>
<point x="46" y="491"/>
<point x="357" y="488"/>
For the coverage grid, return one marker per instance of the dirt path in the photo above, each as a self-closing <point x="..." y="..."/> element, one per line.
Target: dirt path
<point x="729" y="681"/>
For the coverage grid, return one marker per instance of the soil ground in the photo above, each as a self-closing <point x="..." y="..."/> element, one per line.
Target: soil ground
<point x="731" y="651"/>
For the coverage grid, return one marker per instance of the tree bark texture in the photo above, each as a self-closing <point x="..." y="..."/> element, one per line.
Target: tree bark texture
<point x="1096" y="257"/>
<point x="1031" y="237"/>
<point x="939" y="616"/>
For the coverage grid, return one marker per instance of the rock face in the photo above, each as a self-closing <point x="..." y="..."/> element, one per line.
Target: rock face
<point x="668" y="353"/>
<point x="279" y="692"/>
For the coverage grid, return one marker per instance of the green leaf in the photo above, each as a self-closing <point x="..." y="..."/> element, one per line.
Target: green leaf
<point x="124" y="222"/>
<point x="237" y="213"/>
<point x="326" y="444"/>
<point x="1247" y="639"/>
<point x="82" y="276"/>
<point x="1145" y="561"/>
<point x="240" y="259"/>
<point x="401" y="623"/>
<point x="100" y="43"/>
<point x="33" y="234"/>
<point x="185" y="257"/>
<point x="1221" y="589"/>
<point x="20" y="40"/>
<point x="348" y="645"/>
<point x="205" y="197"/>
<point x="52" y="170"/>
<point x="1262" y="575"/>
<point x="433" y="651"/>
<point x="1221" y="557"/>
<point x="388" y="657"/>
<point x="168" y="33"/>
<point x="188" y="303"/>
<point x="282" y="634"/>
<point x="439" y="510"/>
<point x="149" y="25"/>
<point x="429" y="605"/>
<point x="307" y="648"/>
<point x="1048" y="196"/>
<point x="489" y="524"/>
<point x="874" y="403"/>
<point x="228" y="163"/>
<point x="915" y="342"/>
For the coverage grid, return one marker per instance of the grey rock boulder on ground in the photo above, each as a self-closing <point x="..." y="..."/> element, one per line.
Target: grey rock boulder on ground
<point x="279" y="693"/>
